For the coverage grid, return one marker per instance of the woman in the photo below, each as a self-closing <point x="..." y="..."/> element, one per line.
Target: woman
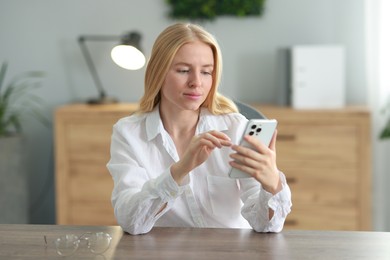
<point x="170" y="161"/>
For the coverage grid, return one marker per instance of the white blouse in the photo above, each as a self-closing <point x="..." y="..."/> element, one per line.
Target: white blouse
<point x="141" y="155"/>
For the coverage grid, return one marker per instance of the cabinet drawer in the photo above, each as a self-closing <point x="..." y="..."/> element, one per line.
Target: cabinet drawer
<point x="89" y="142"/>
<point x="90" y="183"/>
<point x="320" y="217"/>
<point x="100" y="213"/>
<point x="338" y="187"/>
<point x="317" y="145"/>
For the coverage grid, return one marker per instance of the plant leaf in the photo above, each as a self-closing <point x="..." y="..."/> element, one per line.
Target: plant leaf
<point x="3" y="70"/>
<point x="17" y="101"/>
<point x="386" y="131"/>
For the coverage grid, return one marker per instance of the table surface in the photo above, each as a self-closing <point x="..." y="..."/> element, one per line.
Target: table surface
<point x="27" y="242"/>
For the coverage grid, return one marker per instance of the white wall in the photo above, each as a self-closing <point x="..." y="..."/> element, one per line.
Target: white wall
<point x="41" y="35"/>
<point x="378" y="82"/>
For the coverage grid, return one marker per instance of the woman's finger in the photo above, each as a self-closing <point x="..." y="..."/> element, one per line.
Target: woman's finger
<point x="218" y="138"/>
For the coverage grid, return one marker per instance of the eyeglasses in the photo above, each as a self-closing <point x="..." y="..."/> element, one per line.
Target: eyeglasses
<point x="67" y="245"/>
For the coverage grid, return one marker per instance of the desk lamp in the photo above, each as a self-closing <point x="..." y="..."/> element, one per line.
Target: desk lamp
<point x="127" y="55"/>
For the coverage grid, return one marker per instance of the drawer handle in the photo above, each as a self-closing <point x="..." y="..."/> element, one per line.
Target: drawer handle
<point x="291" y="180"/>
<point x="286" y="138"/>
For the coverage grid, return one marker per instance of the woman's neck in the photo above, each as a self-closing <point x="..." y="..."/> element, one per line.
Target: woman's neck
<point x="180" y="123"/>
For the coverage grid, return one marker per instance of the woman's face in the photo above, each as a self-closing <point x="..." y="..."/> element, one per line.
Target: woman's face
<point x="189" y="79"/>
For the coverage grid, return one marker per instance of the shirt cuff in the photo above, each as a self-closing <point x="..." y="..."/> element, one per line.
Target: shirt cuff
<point x="167" y="188"/>
<point x="280" y="198"/>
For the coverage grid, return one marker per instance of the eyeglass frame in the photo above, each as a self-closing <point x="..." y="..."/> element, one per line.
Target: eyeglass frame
<point x="77" y="240"/>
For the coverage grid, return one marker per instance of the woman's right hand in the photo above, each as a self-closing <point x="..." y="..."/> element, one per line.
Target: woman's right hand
<point x="197" y="152"/>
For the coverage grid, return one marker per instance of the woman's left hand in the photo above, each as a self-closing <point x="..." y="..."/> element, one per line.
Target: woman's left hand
<point x="259" y="163"/>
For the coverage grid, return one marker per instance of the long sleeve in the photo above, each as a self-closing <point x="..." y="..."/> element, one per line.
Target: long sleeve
<point x="136" y="198"/>
<point x="258" y="201"/>
<point x="137" y="213"/>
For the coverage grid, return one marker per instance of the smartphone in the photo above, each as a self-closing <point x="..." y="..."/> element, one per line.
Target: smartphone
<point x="263" y="130"/>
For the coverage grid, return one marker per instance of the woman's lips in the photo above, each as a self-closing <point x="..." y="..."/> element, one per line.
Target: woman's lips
<point x="193" y="95"/>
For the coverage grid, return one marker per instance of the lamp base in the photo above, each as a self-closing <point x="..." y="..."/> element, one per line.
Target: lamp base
<point x="102" y="101"/>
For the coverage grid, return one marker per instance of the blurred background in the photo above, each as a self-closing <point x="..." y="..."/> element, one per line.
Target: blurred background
<point x="42" y="35"/>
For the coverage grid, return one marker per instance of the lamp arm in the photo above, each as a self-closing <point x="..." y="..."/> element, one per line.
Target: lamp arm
<point x="91" y="67"/>
<point x="103" y="99"/>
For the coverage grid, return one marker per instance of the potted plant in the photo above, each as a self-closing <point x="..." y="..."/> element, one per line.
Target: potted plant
<point x="210" y="9"/>
<point x="16" y="101"/>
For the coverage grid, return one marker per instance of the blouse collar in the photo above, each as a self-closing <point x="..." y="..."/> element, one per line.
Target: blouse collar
<point x="207" y="122"/>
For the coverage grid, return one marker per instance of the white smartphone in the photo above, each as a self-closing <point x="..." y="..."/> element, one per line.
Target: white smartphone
<point x="263" y="130"/>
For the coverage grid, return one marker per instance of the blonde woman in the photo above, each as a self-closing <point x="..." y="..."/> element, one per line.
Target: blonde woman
<point x="170" y="161"/>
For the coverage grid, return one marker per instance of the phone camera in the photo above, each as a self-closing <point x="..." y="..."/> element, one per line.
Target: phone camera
<point x="253" y="126"/>
<point x="251" y="133"/>
<point x="258" y="130"/>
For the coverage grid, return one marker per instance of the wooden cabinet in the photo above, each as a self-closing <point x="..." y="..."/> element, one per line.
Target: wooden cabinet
<point x="325" y="155"/>
<point x="82" y="150"/>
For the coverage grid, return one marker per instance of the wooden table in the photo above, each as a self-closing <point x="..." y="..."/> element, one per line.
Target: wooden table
<point x="27" y="242"/>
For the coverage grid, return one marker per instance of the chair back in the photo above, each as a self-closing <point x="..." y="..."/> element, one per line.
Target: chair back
<point x="248" y="111"/>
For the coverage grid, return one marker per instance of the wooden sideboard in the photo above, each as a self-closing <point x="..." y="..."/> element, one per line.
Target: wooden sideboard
<point x="82" y="147"/>
<point x="325" y="155"/>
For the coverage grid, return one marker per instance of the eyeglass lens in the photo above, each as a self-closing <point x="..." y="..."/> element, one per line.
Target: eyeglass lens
<point x="99" y="242"/>
<point x="96" y="242"/>
<point x="66" y="245"/>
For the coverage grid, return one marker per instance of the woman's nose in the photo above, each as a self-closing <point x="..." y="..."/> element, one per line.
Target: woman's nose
<point x="195" y="80"/>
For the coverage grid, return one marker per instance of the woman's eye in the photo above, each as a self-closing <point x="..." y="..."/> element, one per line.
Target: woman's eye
<point x="183" y="70"/>
<point x="206" y="72"/>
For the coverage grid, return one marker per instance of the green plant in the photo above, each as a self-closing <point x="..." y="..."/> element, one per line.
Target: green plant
<point x="16" y="100"/>
<point x="385" y="134"/>
<point x="209" y="9"/>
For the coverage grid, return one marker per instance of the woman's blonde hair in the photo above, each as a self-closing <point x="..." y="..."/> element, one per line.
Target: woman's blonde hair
<point x="163" y="52"/>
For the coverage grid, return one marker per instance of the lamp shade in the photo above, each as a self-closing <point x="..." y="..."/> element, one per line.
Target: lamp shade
<point x="128" y="54"/>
